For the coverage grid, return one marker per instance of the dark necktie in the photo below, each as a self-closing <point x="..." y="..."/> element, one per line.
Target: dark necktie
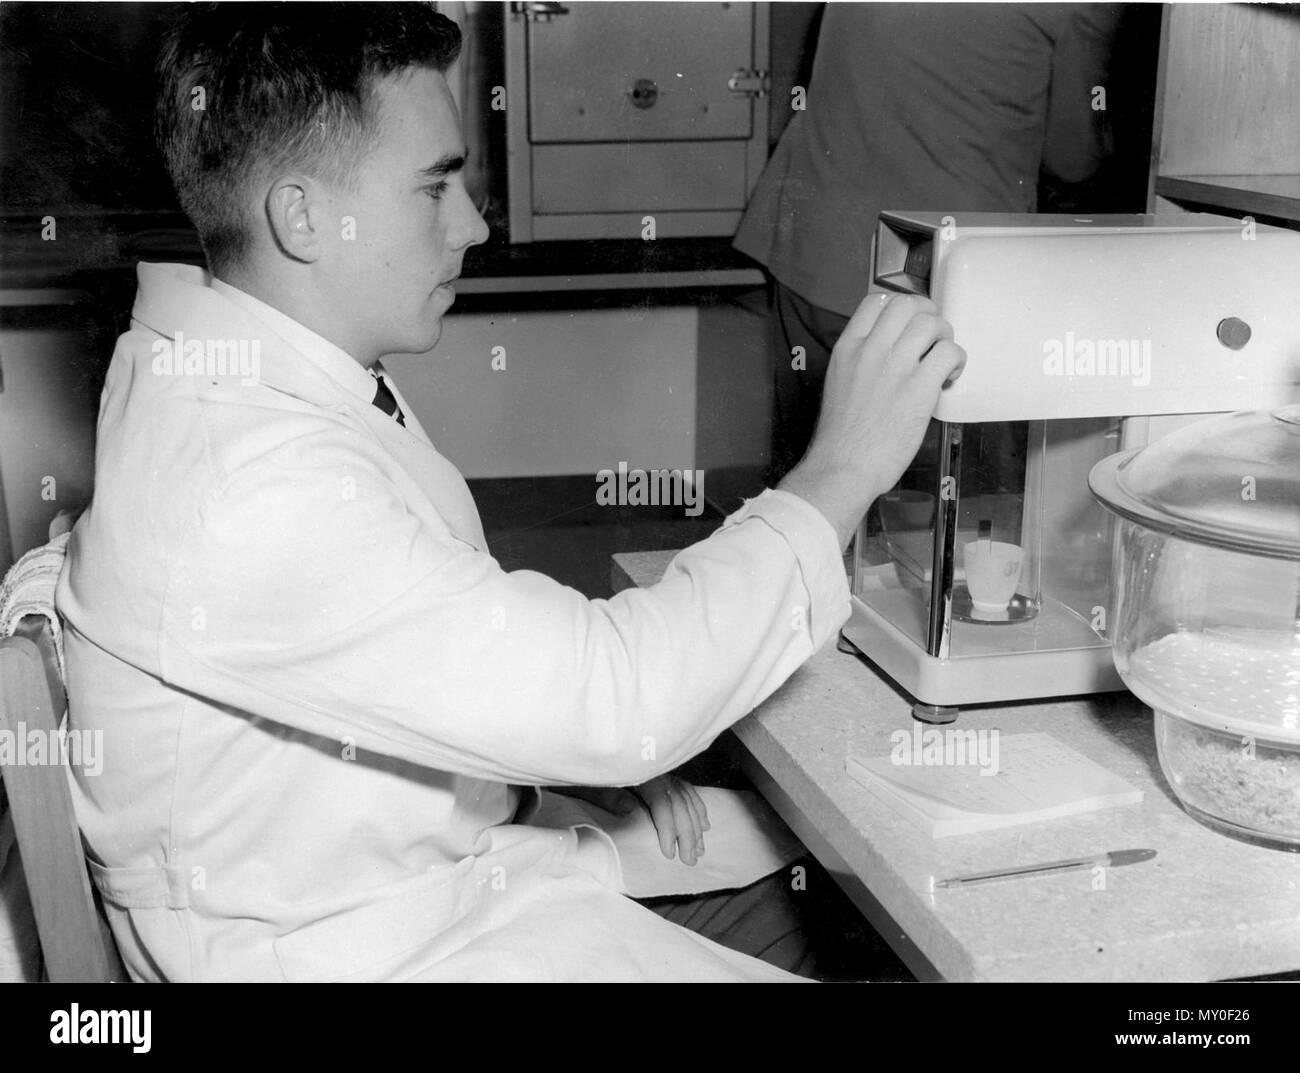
<point x="385" y="401"/>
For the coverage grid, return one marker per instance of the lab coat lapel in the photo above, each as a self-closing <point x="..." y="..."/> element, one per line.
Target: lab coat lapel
<point x="442" y="482"/>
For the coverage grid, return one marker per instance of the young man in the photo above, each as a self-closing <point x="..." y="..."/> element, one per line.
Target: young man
<point x="319" y="692"/>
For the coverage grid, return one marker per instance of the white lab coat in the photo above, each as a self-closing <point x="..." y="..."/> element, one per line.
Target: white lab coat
<point x="316" y="687"/>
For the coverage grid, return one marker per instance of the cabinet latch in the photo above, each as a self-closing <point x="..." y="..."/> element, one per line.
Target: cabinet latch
<point x="747" y="83"/>
<point x="538" y="12"/>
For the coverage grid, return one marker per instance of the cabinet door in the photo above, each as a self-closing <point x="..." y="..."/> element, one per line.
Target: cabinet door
<point x="618" y="72"/>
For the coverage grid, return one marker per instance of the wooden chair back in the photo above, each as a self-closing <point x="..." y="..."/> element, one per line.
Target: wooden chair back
<point x="75" y="940"/>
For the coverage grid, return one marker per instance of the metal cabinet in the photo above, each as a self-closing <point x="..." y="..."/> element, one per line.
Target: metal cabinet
<point x="619" y="111"/>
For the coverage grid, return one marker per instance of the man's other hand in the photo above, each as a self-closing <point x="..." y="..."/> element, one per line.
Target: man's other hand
<point x="679" y="816"/>
<point x="675" y="808"/>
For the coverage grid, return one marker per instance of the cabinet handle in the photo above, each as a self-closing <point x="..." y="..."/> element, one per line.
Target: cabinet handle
<point x="644" y="93"/>
<point x="538" y="11"/>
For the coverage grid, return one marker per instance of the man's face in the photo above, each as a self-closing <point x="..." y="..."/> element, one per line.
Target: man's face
<point x="388" y="275"/>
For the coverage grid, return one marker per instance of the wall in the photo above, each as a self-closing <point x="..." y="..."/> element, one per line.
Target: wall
<point x="580" y="392"/>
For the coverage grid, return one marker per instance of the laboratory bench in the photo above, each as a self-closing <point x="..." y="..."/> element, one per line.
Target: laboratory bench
<point x="1207" y="907"/>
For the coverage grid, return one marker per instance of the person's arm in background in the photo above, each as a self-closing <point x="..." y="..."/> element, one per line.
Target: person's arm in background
<point x="1079" y="134"/>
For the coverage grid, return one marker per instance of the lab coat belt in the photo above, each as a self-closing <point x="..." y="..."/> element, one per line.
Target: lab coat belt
<point x="159" y="887"/>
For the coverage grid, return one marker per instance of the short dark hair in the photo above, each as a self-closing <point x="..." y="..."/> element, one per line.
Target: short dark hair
<point x="248" y="88"/>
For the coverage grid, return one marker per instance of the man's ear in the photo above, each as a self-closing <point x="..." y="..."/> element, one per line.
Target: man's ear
<point x="293" y="212"/>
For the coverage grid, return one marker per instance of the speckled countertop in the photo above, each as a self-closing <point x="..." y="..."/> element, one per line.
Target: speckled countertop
<point x="1207" y="907"/>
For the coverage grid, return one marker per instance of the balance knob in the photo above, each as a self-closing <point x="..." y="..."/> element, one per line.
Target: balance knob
<point x="1233" y="332"/>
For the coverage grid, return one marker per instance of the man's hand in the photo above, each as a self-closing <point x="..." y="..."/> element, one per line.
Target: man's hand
<point x="675" y="808"/>
<point x="883" y="383"/>
<point x="679" y="816"/>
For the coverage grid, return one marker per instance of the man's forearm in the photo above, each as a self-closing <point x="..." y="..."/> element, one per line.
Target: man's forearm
<point x="840" y="497"/>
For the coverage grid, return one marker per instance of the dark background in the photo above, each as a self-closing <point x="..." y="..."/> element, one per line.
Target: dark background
<point x="77" y="96"/>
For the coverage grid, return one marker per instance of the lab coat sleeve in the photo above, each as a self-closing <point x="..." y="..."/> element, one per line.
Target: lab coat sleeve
<point x="306" y="592"/>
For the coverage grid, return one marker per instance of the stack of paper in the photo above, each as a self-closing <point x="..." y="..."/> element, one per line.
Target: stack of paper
<point x="949" y="781"/>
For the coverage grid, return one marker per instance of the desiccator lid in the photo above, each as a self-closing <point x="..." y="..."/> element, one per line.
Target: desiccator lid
<point x="1231" y="481"/>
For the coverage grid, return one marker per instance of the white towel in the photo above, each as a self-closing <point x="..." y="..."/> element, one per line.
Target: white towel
<point x="28" y="589"/>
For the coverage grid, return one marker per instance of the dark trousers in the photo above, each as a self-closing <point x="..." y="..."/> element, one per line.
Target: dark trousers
<point x="796" y="919"/>
<point x="802" y="336"/>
